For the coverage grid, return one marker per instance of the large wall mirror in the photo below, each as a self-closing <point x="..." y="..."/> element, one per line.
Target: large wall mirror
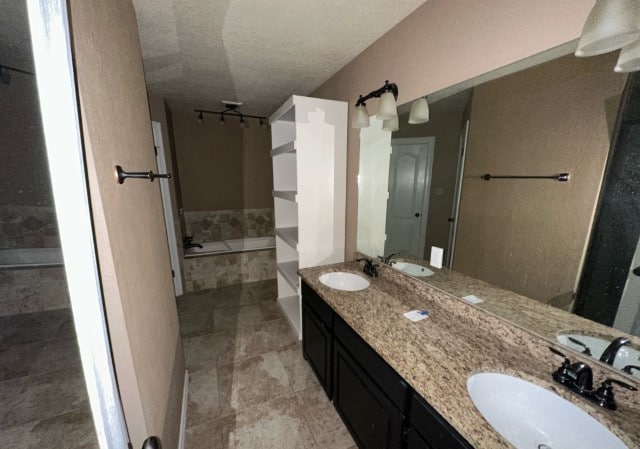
<point x="553" y="255"/>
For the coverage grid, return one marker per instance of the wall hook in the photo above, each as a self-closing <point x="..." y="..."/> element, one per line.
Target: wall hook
<point x="121" y="175"/>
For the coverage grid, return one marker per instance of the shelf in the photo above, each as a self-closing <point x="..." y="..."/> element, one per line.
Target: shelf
<point x="287" y="148"/>
<point x="290" y="306"/>
<point x="289" y="236"/>
<point x="289" y="270"/>
<point x="289" y="195"/>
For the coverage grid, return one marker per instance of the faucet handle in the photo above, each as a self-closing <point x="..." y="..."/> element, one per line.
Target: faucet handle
<point x="604" y="395"/>
<point x="627" y="369"/>
<point x="562" y="374"/>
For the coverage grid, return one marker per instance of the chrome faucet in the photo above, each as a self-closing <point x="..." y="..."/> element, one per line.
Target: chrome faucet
<point x="609" y="354"/>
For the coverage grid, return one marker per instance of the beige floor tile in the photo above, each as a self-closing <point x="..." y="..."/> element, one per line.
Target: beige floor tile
<point x="204" y="403"/>
<point x="264" y="337"/>
<point x="324" y="422"/>
<point x="276" y="424"/>
<point x="300" y="374"/>
<point x="211" y="349"/>
<point x="235" y="318"/>
<point x="251" y="381"/>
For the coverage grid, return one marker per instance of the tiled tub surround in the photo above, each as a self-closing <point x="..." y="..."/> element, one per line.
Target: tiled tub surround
<point x="437" y="355"/>
<point x="28" y="227"/>
<point x="232" y="268"/>
<point x="219" y="270"/>
<point x="230" y="224"/>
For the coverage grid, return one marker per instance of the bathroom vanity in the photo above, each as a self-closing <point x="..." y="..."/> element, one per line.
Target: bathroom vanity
<point x="377" y="405"/>
<point x="397" y="383"/>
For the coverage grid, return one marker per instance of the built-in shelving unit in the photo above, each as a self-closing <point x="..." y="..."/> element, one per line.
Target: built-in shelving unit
<point x="309" y="154"/>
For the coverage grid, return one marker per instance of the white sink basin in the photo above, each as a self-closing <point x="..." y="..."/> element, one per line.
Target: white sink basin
<point x="412" y="269"/>
<point x="626" y="354"/>
<point x="531" y="417"/>
<point x="344" y="281"/>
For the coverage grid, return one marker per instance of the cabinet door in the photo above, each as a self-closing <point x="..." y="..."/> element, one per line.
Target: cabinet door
<point x="432" y="427"/>
<point x="316" y="347"/>
<point x="374" y="422"/>
<point x="414" y="441"/>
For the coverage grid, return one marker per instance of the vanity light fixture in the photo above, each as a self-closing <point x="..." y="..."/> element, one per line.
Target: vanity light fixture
<point x="388" y="109"/>
<point x="611" y="25"/>
<point x="231" y="109"/>
<point x="419" y="111"/>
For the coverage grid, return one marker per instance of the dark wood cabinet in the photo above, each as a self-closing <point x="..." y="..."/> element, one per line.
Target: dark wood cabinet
<point x="317" y="336"/>
<point x="378" y="407"/>
<point x="372" y="419"/>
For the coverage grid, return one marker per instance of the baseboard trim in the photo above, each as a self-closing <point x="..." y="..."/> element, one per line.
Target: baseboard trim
<point x="183" y="413"/>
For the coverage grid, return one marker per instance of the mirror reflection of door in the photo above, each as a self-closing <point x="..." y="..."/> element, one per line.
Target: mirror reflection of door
<point x="455" y="208"/>
<point x="409" y="186"/>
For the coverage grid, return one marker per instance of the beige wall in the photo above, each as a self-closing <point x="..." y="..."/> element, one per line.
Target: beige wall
<point x="222" y="167"/>
<point x="445" y="127"/>
<point x="529" y="236"/>
<point x="443" y="43"/>
<point x="129" y="225"/>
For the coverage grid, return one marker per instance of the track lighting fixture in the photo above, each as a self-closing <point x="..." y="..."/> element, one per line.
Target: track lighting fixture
<point x="231" y="109"/>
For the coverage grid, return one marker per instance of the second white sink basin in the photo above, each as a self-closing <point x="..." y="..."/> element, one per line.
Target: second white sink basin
<point x="412" y="269"/>
<point x="531" y="417"/>
<point x="344" y="281"/>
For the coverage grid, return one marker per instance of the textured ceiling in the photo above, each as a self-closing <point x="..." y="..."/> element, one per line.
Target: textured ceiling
<point x="199" y="52"/>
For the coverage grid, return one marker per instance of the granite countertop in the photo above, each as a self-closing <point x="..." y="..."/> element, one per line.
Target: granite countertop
<point x="536" y="316"/>
<point x="437" y="355"/>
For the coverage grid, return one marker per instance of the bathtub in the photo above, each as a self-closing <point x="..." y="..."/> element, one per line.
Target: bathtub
<point x="232" y="246"/>
<point x="30" y="258"/>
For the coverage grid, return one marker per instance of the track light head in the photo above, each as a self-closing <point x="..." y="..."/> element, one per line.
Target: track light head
<point x="200" y="117"/>
<point x="221" y="119"/>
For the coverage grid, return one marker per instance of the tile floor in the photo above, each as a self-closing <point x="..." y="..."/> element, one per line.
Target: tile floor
<point x="43" y="399"/>
<point x="249" y="385"/>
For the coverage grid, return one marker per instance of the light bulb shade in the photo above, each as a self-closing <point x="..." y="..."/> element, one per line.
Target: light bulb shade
<point x="629" y="59"/>
<point x="611" y="25"/>
<point x="419" y="111"/>
<point x="360" y="117"/>
<point x="391" y="124"/>
<point x="388" y="108"/>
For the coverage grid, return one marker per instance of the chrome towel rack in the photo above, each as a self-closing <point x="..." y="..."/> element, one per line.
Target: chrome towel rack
<point x="562" y="177"/>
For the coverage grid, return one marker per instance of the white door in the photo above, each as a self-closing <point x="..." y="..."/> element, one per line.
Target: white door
<point x="409" y="186"/>
<point x="167" y="207"/>
<point x="457" y="195"/>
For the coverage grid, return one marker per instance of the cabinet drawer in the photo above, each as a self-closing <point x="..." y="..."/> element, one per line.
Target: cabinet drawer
<point x="372" y="419"/>
<point x="311" y="299"/>
<point x="385" y="377"/>
<point x="433" y="428"/>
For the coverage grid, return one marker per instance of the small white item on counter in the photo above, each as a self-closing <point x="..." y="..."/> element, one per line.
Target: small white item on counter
<point x="417" y="315"/>
<point x="473" y="299"/>
<point x="437" y="255"/>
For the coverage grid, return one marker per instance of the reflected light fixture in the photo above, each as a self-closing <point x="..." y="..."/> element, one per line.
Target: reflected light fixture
<point x="611" y="25"/>
<point x="629" y="59"/>
<point x="231" y="109"/>
<point x="419" y="111"/>
<point x="388" y="109"/>
<point x="391" y="124"/>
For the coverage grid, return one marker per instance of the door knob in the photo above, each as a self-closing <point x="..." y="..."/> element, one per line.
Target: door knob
<point x="636" y="271"/>
<point x="418" y="214"/>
